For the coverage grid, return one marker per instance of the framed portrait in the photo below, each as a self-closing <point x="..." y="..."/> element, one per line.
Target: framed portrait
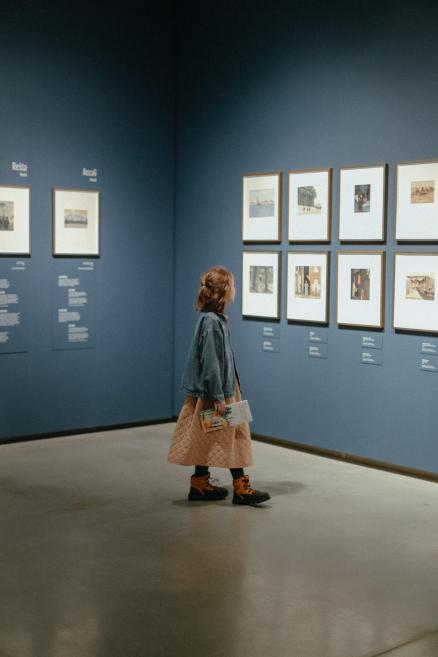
<point x="307" y="286"/>
<point x="261" y="271"/>
<point x="75" y="222"/>
<point x="417" y="202"/>
<point x="14" y="220"/>
<point x="310" y="205"/>
<point x="415" y="292"/>
<point x="362" y="203"/>
<point x="261" y="207"/>
<point x="361" y="288"/>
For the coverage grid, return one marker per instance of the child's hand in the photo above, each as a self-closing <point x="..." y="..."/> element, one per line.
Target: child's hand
<point x="219" y="407"/>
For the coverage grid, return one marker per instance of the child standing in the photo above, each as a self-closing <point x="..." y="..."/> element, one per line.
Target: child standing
<point x="211" y="381"/>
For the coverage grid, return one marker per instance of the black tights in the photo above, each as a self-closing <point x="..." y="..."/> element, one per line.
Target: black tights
<point x="202" y="471"/>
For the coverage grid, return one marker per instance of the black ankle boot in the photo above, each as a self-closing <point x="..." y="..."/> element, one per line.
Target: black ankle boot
<point x="245" y="494"/>
<point x="201" y="489"/>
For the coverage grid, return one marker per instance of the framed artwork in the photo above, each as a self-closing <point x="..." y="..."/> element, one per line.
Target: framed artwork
<point x="417" y="202"/>
<point x="261" y="271"/>
<point x="307" y="286"/>
<point x="362" y="203"/>
<point x="75" y="222"/>
<point x="14" y="220"/>
<point x="310" y="205"/>
<point x="415" y="292"/>
<point x="261" y="207"/>
<point x="361" y="288"/>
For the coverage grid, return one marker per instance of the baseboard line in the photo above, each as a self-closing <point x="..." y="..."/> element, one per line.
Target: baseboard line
<point x="348" y="458"/>
<point x="411" y="642"/>
<point x="279" y="442"/>
<point x="76" y="432"/>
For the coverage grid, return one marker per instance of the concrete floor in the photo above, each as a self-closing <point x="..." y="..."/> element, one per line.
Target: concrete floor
<point x="102" y="556"/>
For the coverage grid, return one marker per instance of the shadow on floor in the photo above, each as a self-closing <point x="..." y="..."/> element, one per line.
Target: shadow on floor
<point x="275" y="487"/>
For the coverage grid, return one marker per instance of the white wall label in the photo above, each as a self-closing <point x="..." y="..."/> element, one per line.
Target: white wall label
<point x="269" y="345"/>
<point x="318" y="350"/>
<point x="374" y="357"/>
<point x="91" y="174"/>
<point x="372" y="341"/>
<point x="271" y="332"/>
<point x="429" y="364"/>
<point x="318" y="335"/>
<point x="429" y="348"/>
<point x="20" y="168"/>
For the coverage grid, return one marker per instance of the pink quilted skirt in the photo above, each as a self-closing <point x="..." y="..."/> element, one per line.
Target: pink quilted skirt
<point x="226" y="448"/>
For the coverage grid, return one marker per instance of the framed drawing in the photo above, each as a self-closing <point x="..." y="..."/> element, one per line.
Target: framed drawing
<point x="307" y="286"/>
<point x="361" y="288"/>
<point x="75" y="222"/>
<point x="261" y="207"/>
<point x="415" y="292"/>
<point x="261" y="284"/>
<point x="417" y="202"/>
<point x="14" y="220"/>
<point x="362" y="203"/>
<point x="310" y="205"/>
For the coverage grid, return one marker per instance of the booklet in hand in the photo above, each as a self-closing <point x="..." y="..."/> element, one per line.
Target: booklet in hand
<point x="235" y="413"/>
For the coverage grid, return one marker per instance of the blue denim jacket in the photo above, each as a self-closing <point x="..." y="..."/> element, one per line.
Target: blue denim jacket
<point x="210" y="368"/>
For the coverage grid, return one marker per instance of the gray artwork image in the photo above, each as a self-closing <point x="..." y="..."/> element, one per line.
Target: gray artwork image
<point x="261" y="202"/>
<point x="75" y="218"/>
<point x="6" y="215"/>
<point x="423" y="191"/>
<point x="360" y="284"/>
<point x="261" y="280"/>
<point x="308" y="282"/>
<point x="420" y="287"/>
<point x="362" y="198"/>
<point x="309" y="200"/>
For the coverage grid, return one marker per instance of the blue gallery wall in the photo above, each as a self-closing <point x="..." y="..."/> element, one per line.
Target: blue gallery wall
<point x="91" y="85"/>
<point x="294" y="85"/>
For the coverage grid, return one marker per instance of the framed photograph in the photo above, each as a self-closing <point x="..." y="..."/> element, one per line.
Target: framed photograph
<point x="307" y="286"/>
<point x="362" y="203"/>
<point x="261" y="271"/>
<point x="14" y="220"/>
<point x="417" y="202"/>
<point x="310" y="205"/>
<point x="361" y="288"/>
<point x="262" y="207"/>
<point x="415" y="292"/>
<point x="75" y="222"/>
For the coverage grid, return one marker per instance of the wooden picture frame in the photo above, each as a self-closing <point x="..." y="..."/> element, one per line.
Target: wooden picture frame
<point x="261" y="284"/>
<point x="308" y="284"/>
<point x="310" y="205"/>
<point x="261" y="207"/>
<point x="14" y="220"/>
<point x="415" y="297"/>
<point x="76" y="222"/>
<point x="363" y="203"/>
<point x="360" y="290"/>
<point x="417" y="201"/>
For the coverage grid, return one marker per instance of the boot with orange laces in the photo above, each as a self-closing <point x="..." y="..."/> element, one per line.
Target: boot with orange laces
<point x="245" y="494"/>
<point x="203" y="490"/>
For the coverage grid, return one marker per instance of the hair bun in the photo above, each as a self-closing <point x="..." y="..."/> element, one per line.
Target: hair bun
<point x="212" y="293"/>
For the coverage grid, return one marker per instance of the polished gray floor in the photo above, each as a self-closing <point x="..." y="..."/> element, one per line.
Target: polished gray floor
<point x="102" y="556"/>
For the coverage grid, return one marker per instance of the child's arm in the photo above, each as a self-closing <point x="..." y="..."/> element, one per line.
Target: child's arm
<point x="212" y="366"/>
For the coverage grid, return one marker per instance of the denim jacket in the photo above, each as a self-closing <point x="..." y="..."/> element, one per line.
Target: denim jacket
<point x="210" y="368"/>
